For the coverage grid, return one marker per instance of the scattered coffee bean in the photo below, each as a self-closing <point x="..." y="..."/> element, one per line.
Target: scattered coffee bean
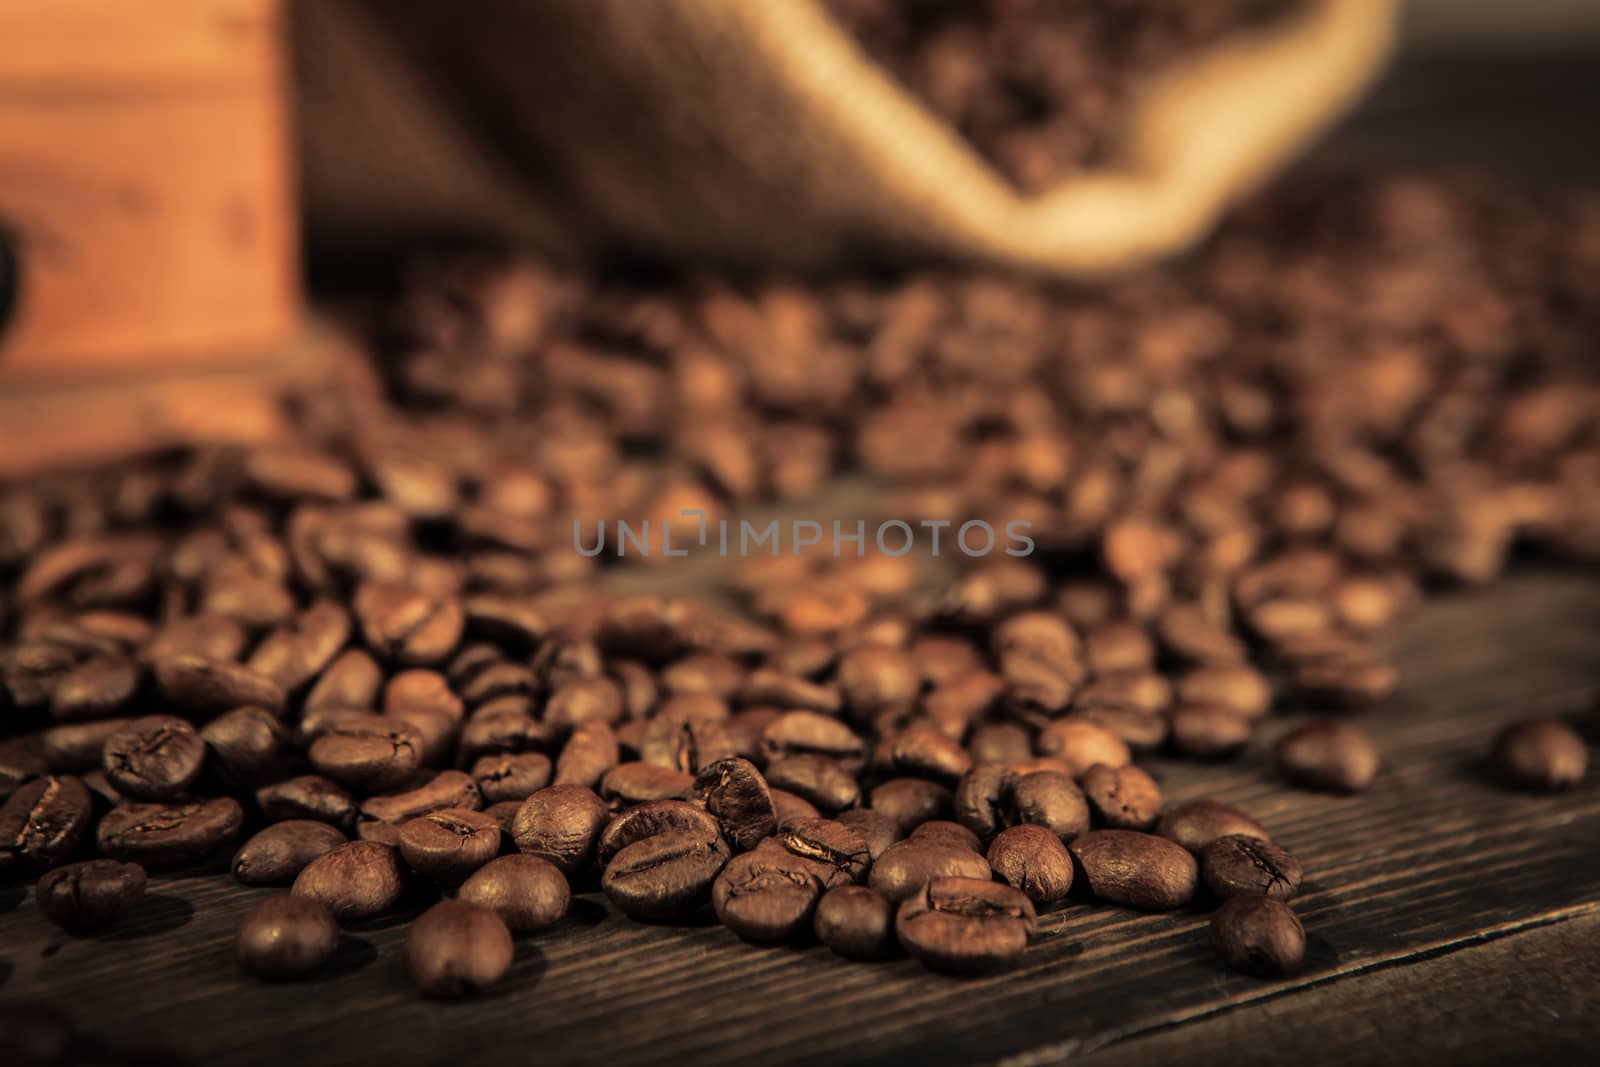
<point x="208" y="687"/>
<point x="154" y="758"/>
<point x="1328" y="755"/>
<point x="1258" y="935"/>
<point x="562" y="824"/>
<point x="448" y="845"/>
<point x="369" y="752"/>
<point x="1122" y="798"/>
<point x="664" y="877"/>
<point x="286" y="936"/>
<point x="1033" y="860"/>
<point x="910" y="802"/>
<point x="456" y="948"/>
<point x="856" y="922"/>
<point x="83" y="897"/>
<point x="765" y="895"/>
<point x="1197" y="823"/>
<point x="169" y="834"/>
<point x="907" y="866"/>
<point x="945" y="832"/>
<point x="43" y="821"/>
<point x="875" y="828"/>
<point x="1207" y="731"/>
<point x="1540" y="754"/>
<point x="308" y="796"/>
<point x="511" y="775"/>
<point x="527" y="892"/>
<point x="651" y="818"/>
<point x="737" y="796"/>
<point x="1135" y="870"/>
<point x="1236" y="865"/>
<point x="965" y="924"/>
<point x="837" y="853"/>
<point x="277" y="854"/>
<point x="355" y="881"/>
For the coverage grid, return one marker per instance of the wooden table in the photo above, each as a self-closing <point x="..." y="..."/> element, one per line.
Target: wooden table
<point x="1443" y="911"/>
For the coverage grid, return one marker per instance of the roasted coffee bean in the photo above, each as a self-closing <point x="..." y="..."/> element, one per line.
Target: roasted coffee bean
<point x="1258" y="935"/>
<point x="874" y="678"/>
<point x="945" y="832"/>
<point x="369" y="753"/>
<point x="20" y="762"/>
<point x="79" y="746"/>
<point x="419" y="689"/>
<point x="920" y="752"/>
<point x="1033" y="860"/>
<point x="456" y="948"/>
<point x="351" y="681"/>
<point x="664" y="877"/>
<point x="837" y="853"/>
<point x="1240" y="689"/>
<point x="437" y="730"/>
<point x="737" y="796"/>
<point x="509" y="622"/>
<point x="634" y="783"/>
<point x="1122" y="798"/>
<point x="83" y="897"/>
<point x="856" y="922"/>
<point x="1141" y="690"/>
<point x="1236" y="865"/>
<point x="588" y="754"/>
<point x="447" y="789"/>
<point x="294" y="655"/>
<point x="1197" y="823"/>
<point x="94" y="689"/>
<point x="153" y="758"/>
<point x="43" y="821"/>
<point x="286" y="936"/>
<point x="562" y="824"/>
<point x="527" y="892"/>
<point x="1081" y="745"/>
<point x="598" y="699"/>
<point x="1135" y="870"/>
<point x="651" y="818"/>
<point x="1540" y="754"/>
<point x="878" y="830"/>
<point x="802" y="733"/>
<point x="822" y="782"/>
<point x="684" y="743"/>
<point x="907" y="866"/>
<point x="1207" y="731"/>
<point x="1141" y="731"/>
<point x="209" y="687"/>
<point x="999" y="742"/>
<point x="409" y="626"/>
<point x="789" y="809"/>
<point x="511" y="776"/>
<point x="1118" y="647"/>
<point x="169" y="834"/>
<point x="277" y="854"/>
<point x="308" y="796"/>
<point x="242" y="747"/>
<point x="496" y="728"/>
<point x="505" y="816"/>
<point x="765" y="896"/>
<point x="766" y="686"/>
<point x="208" y="637"/>
<point x="965" y="924"/>
<point x="354" y="881"/>
<point x="911" y="801"/>
<point x="448" y="845"/>
<point x="1049" y="799"/>
<point x="1328" y="755"/>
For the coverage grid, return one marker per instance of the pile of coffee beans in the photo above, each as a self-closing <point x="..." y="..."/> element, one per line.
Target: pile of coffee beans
<point x="373" y="665"/>
<point x="1043" y="88"/>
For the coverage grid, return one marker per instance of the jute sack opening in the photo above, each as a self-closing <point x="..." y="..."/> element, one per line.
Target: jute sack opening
<point x="755" y="132"/>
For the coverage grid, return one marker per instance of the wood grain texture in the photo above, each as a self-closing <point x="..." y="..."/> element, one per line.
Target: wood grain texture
<point x="1433" y="859"/>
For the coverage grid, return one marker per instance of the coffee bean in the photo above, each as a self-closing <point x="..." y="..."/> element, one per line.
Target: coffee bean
<point x="1197" y="823"/>
<point x="598" y="699"/>
<point x="1033" y="860"/>
<point x="911" y="801"/>
<point x="765" y="896"/>
<point x="496" y="728"/>
<point x="447" y="789"/>
<point x="1123" y="798"/>
<point x="1328" y="755"/>
<point x="907" y="866"/>
<point x="351" y="681"/>
<point x="20" y="762"/>
<point x="1141" y="731"/>
<point x="875" y="828"/>
<point x="294" y="655"/>
<point x="737" y="796"/>
<point x="665" y="876"/>
<point x="1208" y="731"/>
<point x="286" y="936"/>
<point x="43" y="821"/>
<point x="684" y="743"/>
<point x="94" y="689"/>
<point x="789" y="809"/>
<point x="207" y="637"/>
<point x="817" y="779"/>
<point x="83" y="897"/>
<point x="242" y="747"/>
<point x="505" y="816"/>
<point x="408" y="626"/>
<point x="169" y="834"/>
<point x="874" y="678"/>
<point x="1258" y="935"/>
<point x="856" y="922"/>
<point x="153" y="758"/>
<point x="308" y="796"/>
<point x="634" y="783"/>
<point x="1240" y="689"/>
<point x="947" y="833"/>
<point x="766" y="686"/>
<point x="1049" y="799"/>
<point x="562" y="824"/>
<point x="207" y="687"/>
<point x="589" y="753"/>
<point x="456" y="948"/>
<point x="800" y="733"/>
<point x="837" y="853"/>
<point x="1236" y="865"/>
<point x="651" y="818"/>
<point x="1118" y="647"/>
<point x="368" y="753"/>
<point x="277" y="854"/>
<point x="965" y="924"/>
<point x="1081" y="745"/>
<point x="77" y="747"/>
<point x="448" y="845"/>
<point x="511" y="775"/>
<point x="1540" y="754"/>
<point x="999" y="742"/>
<point x="354" y="881"/>
<point x="920" y="752"/>
<point x="527" y="892"/>
<point x="1135" y="870"/>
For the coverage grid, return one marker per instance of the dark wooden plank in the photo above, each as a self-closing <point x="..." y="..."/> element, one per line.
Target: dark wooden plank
<point x="1432" y="858"/>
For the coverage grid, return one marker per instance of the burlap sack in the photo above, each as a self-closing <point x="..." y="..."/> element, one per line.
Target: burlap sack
<point x="755" y="132"/>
